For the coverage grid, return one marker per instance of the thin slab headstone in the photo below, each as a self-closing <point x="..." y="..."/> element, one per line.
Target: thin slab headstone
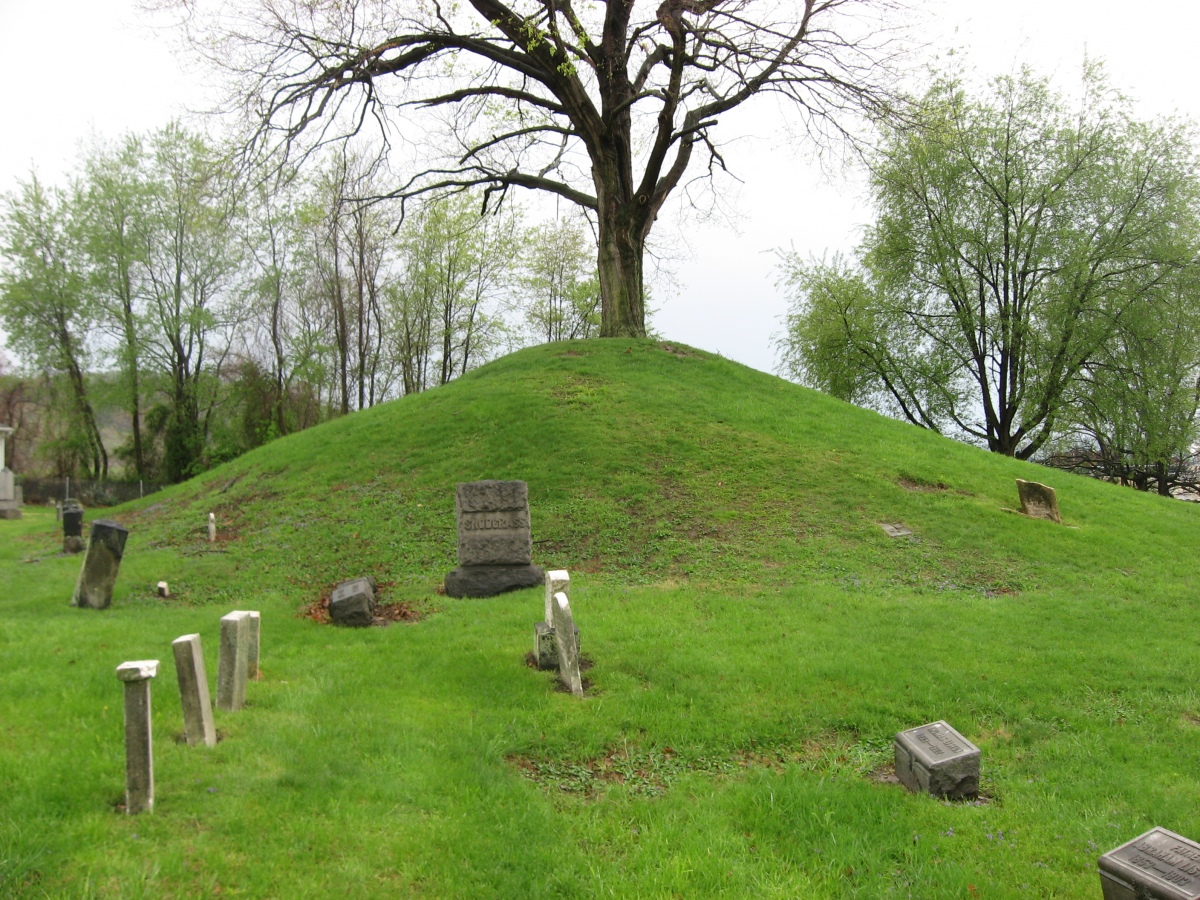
<point x="568" y="649"/>
<point x="495" y="544"/>
<point x="198" y="725"/>
<point x="935" y="759"/>
<point x="557" y="581"/>
<point x="252" y="646"/>
<point x="1038" y="501"/>
<point x="545" y="650"/>
<point x="352" y="603"/>
<point x="232" y="655"/>
<point x="212" y="528"/>
<point x="139" y="742"/>
<point x="98" y="574"/>
<point x="1157" y="865"/>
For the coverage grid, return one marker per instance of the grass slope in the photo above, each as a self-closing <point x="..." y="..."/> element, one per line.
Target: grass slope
<point x="757" y="640"/>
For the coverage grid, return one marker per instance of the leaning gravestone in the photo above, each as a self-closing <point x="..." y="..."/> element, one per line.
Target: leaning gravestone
<point x="495" y="545"/>
<point x="1038" y="501"/>
<point x="72" y="522"/>
<point x="193" y="691"/>
<point x="94" y="590"/>
<point x="353" y="603"/>
<point x="935" y="759"/>
<point x="545" y="645"/>
<point x="1159" y="864"/>
<point x="568" y="645"/>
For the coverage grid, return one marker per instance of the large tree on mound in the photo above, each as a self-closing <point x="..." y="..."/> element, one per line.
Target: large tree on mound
<point x="602" y="105"/>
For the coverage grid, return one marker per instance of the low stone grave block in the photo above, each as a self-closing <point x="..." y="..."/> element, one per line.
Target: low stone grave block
<point x="198" y="725"/>
<point x="568" y="647"/>
<point x="139" y="744"/>
<point x="935" y="759"/>
<point x="897" y="530"/>
<point x="164" y="590"/>
<point x="98" y="575"/>
<point x="495" y="544"/>
<point x="232" y="656"/>
<point x="1038" y="501"/>
<point x="353" y="603"/>
<point x="1157" y="865"/>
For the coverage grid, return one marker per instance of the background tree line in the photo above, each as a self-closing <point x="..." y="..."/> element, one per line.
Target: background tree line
<point x="217" y="312"/>
<point x="1030" y="282"/>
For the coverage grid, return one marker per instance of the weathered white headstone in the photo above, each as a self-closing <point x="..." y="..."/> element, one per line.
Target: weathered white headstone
<point x="212" y="528"/>
<point x="1157" y="865"/>
<point x="935" y="759"/>
<point x="98" y="574"/>
<point x="139" y="744"/>
<point x="164" y="589"/>
<point x="252" y="646"/>
<point x="232" y="656"/>
<point x="568" y="648"/>
<point x="495" y="544"/>
<point x="545" y="647"/>
<point x="1038" y="500"/>
<point x="193" y="691"/>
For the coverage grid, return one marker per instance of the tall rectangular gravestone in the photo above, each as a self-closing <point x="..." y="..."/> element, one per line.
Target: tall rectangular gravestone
<point x="139" y="743"/>
<point x="232" y="659"/>
<point x="193" y="691"/>
<point x="495" y="544"/>
<point x="568" y="646"/>
<point x="98" y="575"/>
<point x="1157" y="865"/>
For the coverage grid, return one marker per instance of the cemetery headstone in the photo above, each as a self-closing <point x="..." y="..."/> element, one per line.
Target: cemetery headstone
<point x="193" y="691"/>
<point x="232" y="657"/>
<point x="495" y="545"/>
<point x="1038" y="501"/>
<point x="545" y="647"/>
<point x="139" y="745"/>
<point x="935" y="759"/>
<point x="567" y="645"/>
<point x="212" y="528"/>
<point x="10" y="496"/>
<point x="98" y="574"/>
<point x="252" y="646"/>
<point x="353" y="603"/>
<point x="1157" y="865"/>
<point x="164" y="590"/>
<point x="72" y="521"/>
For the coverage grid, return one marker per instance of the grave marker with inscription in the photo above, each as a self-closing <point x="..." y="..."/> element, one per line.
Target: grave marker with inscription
<point x="98" y="574"/>
<point x="935" y="759"/>
<point x="1157" y="865"/>
<point x="1038" y="501"/>
<point x="495" y="544"/>
<point x="353" y="603"/>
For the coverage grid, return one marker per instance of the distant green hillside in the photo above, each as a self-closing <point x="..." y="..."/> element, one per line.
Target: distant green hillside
<point x="655" y="463"/>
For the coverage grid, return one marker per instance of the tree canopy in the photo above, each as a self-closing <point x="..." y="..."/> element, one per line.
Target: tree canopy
<point x="605" y="105"/>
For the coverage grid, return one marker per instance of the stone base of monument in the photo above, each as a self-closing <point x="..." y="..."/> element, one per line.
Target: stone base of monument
<point x="73" y="544"/>
<point x="1157" y="865"/>
<point x="935" y="759"/>
<point x="488" y="581"/>
<point x="545" y="647"/>
<point x="10" y="509"/>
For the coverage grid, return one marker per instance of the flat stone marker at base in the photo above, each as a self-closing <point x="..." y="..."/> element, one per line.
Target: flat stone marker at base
<point x="896" y="530"/>
<point x="193" y="691"/>
<point x="568" y="647"/>
<point x="353" y="603"/>
<point x="232" y="657"/>
<point x="935" y="759"/>
<point x="106" y="546"/>
<point x="1038" y="501"/>
<point x="139" y="745"/>
<point x="1157" y="865"/>
<point x="495" y="545"/>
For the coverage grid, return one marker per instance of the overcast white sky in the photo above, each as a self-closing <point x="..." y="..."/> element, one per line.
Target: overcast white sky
<point x="71" y="68"/>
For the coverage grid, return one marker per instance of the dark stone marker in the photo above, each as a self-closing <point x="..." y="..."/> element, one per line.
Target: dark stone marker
<point x="935" y="759"/>
<point x="495" y="545"/>
<point x="1038" y="501"/>
<point x="72" y="519"/>
<point x="1158" y="865"/>
<point x="353" y="603"/>
<point x="106" y="546"/>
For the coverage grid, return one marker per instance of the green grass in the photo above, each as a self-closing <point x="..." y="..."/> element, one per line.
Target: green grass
<point x="756" y="640"/>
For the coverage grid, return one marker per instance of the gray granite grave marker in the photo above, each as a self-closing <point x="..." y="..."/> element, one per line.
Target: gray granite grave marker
<point x="1038" y="501"/>
<point x="567" y="645"/>
<point x="232" y="655"/>
<point x="495" y="544"/>
<point x="139" y="744"/>
<point x="193" y="691"/>
<point x="353" y="603"/>
<point x="98" y="574"/>
<point x="1157" y="865"/>
<point x="935" y="759"/>
<point x="72" y="523"/>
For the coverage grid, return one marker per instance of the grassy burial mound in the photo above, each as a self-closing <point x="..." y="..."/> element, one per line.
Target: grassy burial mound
<point x="755" y="637"/>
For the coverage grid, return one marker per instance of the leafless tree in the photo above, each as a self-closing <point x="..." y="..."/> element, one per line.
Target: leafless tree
<point x="603" y="104"/>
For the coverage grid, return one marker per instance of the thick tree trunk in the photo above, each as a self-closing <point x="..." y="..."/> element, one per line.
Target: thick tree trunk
<point x="622" y="244"/>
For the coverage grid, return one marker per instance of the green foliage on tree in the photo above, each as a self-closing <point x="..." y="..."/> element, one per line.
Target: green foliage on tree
<point x="1017" y="237"/>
